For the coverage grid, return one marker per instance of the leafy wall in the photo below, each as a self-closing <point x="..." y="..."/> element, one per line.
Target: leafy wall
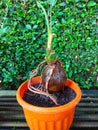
<point x="23" y="39"/>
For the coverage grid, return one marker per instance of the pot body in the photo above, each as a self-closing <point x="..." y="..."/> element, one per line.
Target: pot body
<point x="49" y="118"/>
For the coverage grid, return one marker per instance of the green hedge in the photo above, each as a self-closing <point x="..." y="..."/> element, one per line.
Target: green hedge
<point x="23" y="38"/>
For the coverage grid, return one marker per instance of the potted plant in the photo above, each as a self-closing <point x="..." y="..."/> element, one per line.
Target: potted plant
<point x="55" y="112"/>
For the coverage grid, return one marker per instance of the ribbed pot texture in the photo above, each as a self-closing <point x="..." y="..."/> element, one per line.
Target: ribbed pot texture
<point x="49" y="118"/>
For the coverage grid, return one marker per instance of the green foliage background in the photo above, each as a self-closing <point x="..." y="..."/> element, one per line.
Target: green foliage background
<point x="23" y="37"/>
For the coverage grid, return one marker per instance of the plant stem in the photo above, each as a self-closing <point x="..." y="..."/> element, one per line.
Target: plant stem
<point x="45" y="14"/>
<point x="38" y="91"/>
<point x="49" y="51"/>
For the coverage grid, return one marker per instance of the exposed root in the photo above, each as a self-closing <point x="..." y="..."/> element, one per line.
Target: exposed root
<point x="35" y="72"/>
<point x="34" y="90"/>
<point x="38" y="90"/>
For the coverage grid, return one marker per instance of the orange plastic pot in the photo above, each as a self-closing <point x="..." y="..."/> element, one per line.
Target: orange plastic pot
<point x="49" y="118"/>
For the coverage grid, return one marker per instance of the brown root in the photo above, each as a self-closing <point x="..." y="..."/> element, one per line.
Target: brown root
<point x="35" y="72"/>
<point x="38" y="90"/>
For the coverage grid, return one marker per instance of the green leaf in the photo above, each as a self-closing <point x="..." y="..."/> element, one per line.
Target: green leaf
<point x="91" y="3"/>
<point x="3" y="30"/>
<point x="53" y="2"/>
<point x="28" y="26"/>
<point x="35" y="26"/>
<point x="62" y="4"/>
<point x="96" y="84"/>
<point x="70" y="73"/>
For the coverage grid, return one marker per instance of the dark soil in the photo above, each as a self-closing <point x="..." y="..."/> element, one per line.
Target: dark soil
<point x="40" y="100"/>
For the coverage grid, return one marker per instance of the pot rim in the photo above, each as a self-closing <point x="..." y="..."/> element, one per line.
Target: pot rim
<point x="71" y="84"/>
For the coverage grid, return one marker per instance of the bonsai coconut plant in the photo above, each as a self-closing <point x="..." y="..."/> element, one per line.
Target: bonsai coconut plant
<point x="46" y="100"/>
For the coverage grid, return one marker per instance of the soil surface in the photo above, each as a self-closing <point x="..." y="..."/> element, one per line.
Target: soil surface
<point x="40" y="100"/>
